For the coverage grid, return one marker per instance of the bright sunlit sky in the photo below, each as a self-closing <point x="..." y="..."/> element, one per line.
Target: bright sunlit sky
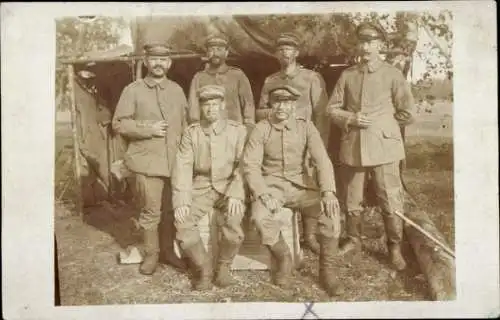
<point x="424" y="46"/>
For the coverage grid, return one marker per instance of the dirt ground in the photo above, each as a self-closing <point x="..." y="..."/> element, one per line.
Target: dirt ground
<point x="90" y="275"/>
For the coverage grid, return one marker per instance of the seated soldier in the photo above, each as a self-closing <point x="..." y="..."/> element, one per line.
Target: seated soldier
<point x="207" y="177"/>
<point x="274" y="168"/>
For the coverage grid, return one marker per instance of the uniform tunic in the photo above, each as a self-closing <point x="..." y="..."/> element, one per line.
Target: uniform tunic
<point x="312" y="102"/>
<point x="380" y="92"/>
<point x="141" y="103"/>
<point x="207" y="170"/>
<point x="238" y="96"/>
<point x="274" y="163"/>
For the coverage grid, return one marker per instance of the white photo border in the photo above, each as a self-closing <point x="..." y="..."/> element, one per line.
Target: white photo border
<point x="28" y="64"/>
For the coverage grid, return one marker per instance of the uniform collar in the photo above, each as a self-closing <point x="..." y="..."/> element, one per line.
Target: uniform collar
<point x="217" y="127"/>
<point x="372" y="66"/>
<point x="150" y="82"/>
<point x="290" y="124"/>
<point x="221" y="69"/>
<point x="292" y="74"/>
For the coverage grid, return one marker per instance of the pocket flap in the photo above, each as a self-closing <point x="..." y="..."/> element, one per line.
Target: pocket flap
<point x="391" y="134"/>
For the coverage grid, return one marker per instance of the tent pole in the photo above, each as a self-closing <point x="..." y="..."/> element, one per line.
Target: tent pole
<point x="138" y="70"/>
<point x="76" y="138"/>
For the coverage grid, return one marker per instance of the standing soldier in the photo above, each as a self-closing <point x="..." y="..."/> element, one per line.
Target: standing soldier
<point x="273" y="162"/>
<point x="207" y="177"/>
<point x="310" y="105"/>
<point x="239" y="97"/>
<point x="151" y="115"/>
<point x="369" y="103"/>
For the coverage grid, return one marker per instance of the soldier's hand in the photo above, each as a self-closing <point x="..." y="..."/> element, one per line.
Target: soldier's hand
<point x="181" y="214"/>
<point x="235" y="207"/>
<point x="330" y="205"/>
<point x="159" y="128"/>
<point x="271" y="203"/>
<point x="360" y="120"/>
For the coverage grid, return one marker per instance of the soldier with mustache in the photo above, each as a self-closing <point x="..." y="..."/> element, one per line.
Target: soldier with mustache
<point x="151" y="115"/>
<point x="370" y="102"/>
<point x="239" y="97"/>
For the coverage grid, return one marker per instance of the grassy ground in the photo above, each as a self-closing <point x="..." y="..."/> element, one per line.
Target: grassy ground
<point x="90" y="275"/>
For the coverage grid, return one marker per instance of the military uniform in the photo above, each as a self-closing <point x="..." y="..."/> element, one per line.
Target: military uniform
<point x="238" y="92"/>
<point x="313" y="99"/>
<point x="142" y="103"/>
<point x="312" y="102"/>
<point x="379" y="91"/>
<point x="274" y="164"/>
<point x="311" y="105"/>
<point x="207" y="172"/>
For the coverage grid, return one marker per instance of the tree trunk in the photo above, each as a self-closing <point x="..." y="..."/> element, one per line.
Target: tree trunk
<point x="436" y="264"/>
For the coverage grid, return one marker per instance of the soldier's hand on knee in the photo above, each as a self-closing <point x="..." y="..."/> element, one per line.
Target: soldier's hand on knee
<point x="181" y="214"/>
<point x="235" y="207"/>
<point x="330" y="204"/>
<point x="271" y="203"/>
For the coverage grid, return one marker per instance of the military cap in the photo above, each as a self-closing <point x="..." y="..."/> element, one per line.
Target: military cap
<point x="288" y="38"/>
<point x="211" y="92"/>
<point x="284" y="91"/>
<point x="370" y="31"/>
<point x="156" y="49"/>
<point x="216" y="40"/>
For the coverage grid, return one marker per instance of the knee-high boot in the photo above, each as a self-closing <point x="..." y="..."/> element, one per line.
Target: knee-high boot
<point x="394" y="231"/>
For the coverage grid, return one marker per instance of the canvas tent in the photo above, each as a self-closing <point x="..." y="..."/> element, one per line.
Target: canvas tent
<point x="101" y="76"/>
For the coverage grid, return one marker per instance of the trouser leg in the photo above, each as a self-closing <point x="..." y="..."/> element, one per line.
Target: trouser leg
<point x="354" y="188"/>
<point x="310" y="227"/>
<point x="390" y="195"/>
<point x="229" y="245"/>
<point x="329" y="240"/>
<point x="188" y="235"/>
<point x="150" y="191"/>
<point x="167" y="231"/>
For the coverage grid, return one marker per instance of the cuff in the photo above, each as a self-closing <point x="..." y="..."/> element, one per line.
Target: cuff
<point x="181" y="200"/>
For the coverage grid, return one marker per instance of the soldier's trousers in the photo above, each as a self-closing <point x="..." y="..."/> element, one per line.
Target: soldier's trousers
<point x="291" y="196"/>
<point x="203" y="201"/>
<point x="388" y="187"/>
<point x="389" y="194"/>
<point x="149" y="193"/>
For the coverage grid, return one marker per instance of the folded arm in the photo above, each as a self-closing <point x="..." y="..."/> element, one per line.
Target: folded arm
<point x="403" y="100"/>
<point x="123" y="120"/>
<point x="252" y="162"/>
<point x="335" y="109"/>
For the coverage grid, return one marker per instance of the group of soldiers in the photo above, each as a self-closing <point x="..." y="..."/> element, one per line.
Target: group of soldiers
<point x="216" y="152"/>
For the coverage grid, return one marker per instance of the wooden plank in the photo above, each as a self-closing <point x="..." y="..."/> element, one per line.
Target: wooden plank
<point x="435" y="263"/>
<point x="75" y="135"/>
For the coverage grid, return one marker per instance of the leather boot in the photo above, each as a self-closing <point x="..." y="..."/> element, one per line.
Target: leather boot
<point x="283" y="257"/>
<point x="151" y="252"/>
<point x="310" y="236"/>
<point x="394" y="231"/>
<point x="327" y="273"/>
<point x="227" y="252"/>
<point x="203" y="264"/>
<point x="353" y="229"/>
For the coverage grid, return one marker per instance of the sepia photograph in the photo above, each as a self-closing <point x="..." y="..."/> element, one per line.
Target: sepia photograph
<point x="254" y="158"/>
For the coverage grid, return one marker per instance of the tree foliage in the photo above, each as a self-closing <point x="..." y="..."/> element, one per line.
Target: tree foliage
<point x="75" y="37"/>
<point x="326" y="35"/>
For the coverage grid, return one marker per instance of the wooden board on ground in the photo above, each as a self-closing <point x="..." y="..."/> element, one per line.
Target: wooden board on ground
<point x="253" y="255"/>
